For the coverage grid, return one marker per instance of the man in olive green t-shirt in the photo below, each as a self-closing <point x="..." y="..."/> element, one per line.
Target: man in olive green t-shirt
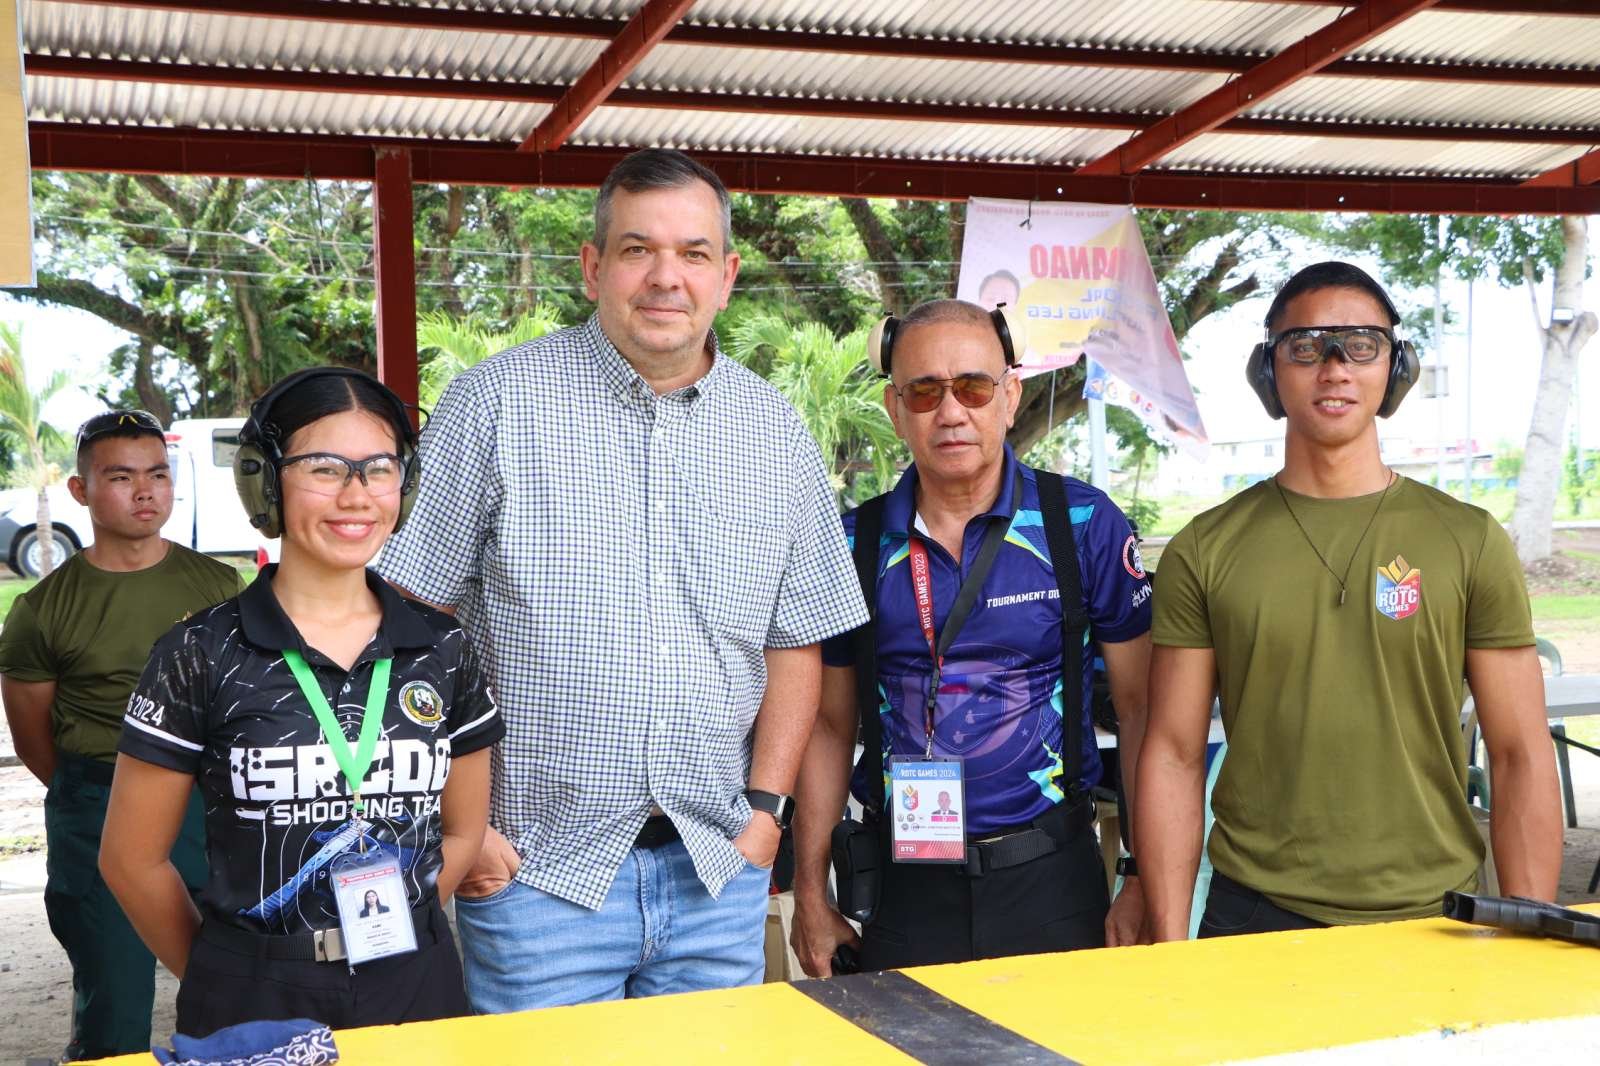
<point x="1337" y="608"/>
<point x="71" y="651"/>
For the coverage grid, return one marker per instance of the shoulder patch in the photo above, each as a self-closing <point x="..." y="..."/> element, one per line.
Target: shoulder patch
<point x="1132" y="561"/>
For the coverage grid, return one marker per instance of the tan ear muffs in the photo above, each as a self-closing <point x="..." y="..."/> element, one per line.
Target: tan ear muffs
<point x="255" y="464"/>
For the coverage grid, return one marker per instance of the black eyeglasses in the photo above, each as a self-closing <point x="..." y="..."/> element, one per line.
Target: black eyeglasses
<point x="1310" y="345"/>
<point x="922" y="395"/>
<point x="327" y="474"/>
<point x="112" y="421"/>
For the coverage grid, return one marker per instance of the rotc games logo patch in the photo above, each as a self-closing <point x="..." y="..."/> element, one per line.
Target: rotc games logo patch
<point x="1132" y="561"/>
<point x="422" y="704"/>
<point x="1399" y="592"/>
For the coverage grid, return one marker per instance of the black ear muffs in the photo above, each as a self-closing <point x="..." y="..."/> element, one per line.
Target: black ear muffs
<point x="255" y="464"/>
<point x="1404" y="369"/>
<point x="1008" y="326"/>
<point x="1262" y="376"/>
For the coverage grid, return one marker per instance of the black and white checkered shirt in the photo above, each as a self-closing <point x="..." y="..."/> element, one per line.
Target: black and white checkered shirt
<point x="622" y="559"/>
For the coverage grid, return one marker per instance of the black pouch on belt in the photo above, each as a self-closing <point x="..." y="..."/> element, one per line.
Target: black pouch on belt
<point x="857" y="869"/>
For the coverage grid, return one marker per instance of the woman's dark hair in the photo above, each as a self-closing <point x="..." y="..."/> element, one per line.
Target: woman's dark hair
<point x="322" y="395"/>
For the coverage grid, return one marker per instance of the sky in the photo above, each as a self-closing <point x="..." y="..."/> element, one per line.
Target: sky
<point x="1504" y="365"/>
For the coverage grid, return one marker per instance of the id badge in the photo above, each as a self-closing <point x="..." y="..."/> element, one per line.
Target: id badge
<point x="927" y="809"/>
<point x="374" y="910"/>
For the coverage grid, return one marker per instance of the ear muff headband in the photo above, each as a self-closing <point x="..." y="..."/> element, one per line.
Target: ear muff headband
<point x="1008" y="326"/>
<point x="255" y="465"/>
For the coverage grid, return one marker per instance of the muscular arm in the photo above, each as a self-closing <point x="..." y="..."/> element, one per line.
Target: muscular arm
<point x="783" y="725"/>
<point x="820" y="794"/>
<point x="1128" y="670"/>
<point x="142" y="821"/>
<point x="28" y="706"/>
<point x="1525" y="823"/>
<point x="1168" y="816"/>
<point x="463" y="818"/>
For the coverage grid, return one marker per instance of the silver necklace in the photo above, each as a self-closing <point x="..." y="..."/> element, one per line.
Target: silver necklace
<point x="1384" y="495"/>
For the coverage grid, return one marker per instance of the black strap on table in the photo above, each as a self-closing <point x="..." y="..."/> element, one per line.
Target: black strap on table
<point x="1074" y="626"/>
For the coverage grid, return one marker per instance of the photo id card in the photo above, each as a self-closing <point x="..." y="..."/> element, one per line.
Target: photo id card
<point x="928" y="808"/>
<point x="374" y="911"/>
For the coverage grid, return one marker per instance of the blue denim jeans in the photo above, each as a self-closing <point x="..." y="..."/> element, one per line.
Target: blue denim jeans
<point x="659" y="931"/>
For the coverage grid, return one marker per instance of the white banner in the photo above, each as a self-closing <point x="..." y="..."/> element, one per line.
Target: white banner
<point x="1081" y="278"/>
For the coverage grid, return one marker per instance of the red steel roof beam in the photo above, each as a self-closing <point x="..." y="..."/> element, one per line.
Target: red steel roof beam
<point x="642" y="33"/>
<point x="1582" y="171"/>
<point x="1333" y="41"/>
<point x="1559" y="8"/>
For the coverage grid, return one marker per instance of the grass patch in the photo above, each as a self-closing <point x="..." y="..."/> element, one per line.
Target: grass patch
<point x="10" y="590"/>
<point x="21" y="845"/>
<point x="1565" y="608"/>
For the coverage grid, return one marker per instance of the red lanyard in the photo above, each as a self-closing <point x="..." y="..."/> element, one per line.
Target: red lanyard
<point x="922" y="589"/>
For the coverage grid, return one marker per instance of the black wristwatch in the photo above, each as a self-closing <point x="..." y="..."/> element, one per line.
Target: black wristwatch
<point x="780" y="807"/>
<point x="1127" y="867"/>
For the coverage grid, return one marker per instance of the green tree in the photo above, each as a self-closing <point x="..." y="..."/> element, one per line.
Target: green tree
<point x="29" y="435"/>
<point x="447" y="345"/>
<point x="840" y="400"/>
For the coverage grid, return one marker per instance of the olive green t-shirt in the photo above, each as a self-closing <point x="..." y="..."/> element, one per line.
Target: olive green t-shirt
<point x="1342" y="797"/>
<point x="90" y="631"/>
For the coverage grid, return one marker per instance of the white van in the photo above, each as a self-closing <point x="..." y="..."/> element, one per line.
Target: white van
<point x="206" y="514"/>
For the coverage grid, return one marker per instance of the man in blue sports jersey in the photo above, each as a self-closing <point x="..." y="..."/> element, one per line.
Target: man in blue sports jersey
<point x="969" y="648"/>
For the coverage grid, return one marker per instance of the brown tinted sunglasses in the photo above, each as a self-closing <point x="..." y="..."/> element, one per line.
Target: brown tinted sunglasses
<point x="922" y="395"/>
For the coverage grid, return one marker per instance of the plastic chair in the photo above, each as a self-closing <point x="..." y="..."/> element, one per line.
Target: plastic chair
<point x="1558" y="729"/>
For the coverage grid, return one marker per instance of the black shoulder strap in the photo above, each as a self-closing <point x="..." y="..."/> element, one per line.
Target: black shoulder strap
<point x="1074" y="621"/>
<point x="869" y="529"/>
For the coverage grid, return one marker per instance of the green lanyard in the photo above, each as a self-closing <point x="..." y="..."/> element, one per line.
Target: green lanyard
<point x="354" y="765"/>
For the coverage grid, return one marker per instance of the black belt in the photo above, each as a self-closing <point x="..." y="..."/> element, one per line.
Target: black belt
<point x="323" y="945"/>
<point x="657" y="831"/>
<point x="94" y="771"/>
<point x="1045" y="835"/>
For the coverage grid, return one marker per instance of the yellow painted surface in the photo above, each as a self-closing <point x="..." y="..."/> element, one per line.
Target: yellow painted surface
<point x="1201" y="1001"/>
<point x="16" y="231"/>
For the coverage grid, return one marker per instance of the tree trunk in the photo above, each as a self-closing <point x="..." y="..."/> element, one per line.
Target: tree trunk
<point x="1037" y="415"/>
<point x="46" y="534"/>
<point x="151" y="397"/>
<point x="1534" y="512"/>
<point x="880" y="249"/>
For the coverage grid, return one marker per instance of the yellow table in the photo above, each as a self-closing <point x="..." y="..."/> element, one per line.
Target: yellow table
<point x="1200" y="1001"/>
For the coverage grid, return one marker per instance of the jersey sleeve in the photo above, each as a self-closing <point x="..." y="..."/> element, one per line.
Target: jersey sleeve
<point x="165" y="722"/>
<point x="474" y="718"/>
<point x="838" y="649"/>
<point x="24" y="653"/>
<point x="1181" y="618"/>
<point x="1115" y="587"/>
<point x="819" y="596"/>
<point x="437" y="554"/>
<point x="1498" y="614"/>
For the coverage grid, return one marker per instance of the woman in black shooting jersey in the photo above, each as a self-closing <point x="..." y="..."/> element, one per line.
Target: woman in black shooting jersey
<point x="339" y="734"/>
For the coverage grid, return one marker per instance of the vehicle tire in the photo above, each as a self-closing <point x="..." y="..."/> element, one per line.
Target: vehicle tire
<point x="29" y="549"/>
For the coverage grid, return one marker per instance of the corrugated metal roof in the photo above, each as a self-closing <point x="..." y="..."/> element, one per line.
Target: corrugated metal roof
<point x="113" y="33"/>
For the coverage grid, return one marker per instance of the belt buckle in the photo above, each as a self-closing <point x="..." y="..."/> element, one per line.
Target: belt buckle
<point x="329" y="945"/>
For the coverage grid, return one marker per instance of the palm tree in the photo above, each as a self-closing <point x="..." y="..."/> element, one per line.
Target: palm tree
<point x="28" y="434"/>
<point x="458" y="343"/>
<point x="840" y="400"/>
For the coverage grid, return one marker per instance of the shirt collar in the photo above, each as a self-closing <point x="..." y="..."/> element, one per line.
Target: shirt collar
<point x="900" y="510"/>
<point x="627" y="383"/>
<point x="265" y="624"/>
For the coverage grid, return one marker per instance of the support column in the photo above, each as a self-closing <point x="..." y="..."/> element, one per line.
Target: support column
<point x="395" y="271"/>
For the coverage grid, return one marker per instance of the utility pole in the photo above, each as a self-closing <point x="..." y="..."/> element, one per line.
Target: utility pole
<point x="1439" y="390"/>
<point x="1466" y="484"/>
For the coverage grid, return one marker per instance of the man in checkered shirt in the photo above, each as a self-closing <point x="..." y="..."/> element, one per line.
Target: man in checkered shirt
<point x="639" y="535"/>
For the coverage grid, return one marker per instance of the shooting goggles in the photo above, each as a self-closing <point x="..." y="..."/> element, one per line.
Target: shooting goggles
<point x="922" y="395"/>
<point x="112" y="421"/>
<point x="1310" y="345"/>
